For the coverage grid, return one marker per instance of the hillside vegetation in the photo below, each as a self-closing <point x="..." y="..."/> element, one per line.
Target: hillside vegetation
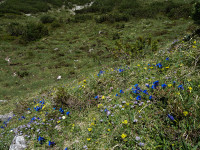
<point x="129" y="74"/>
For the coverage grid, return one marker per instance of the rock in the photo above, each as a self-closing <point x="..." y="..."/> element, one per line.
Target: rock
<point x="59" y="77"/>
<point x="6" y="116"/>
<point x="18" y="143"/>
<point x="3" y="101"/>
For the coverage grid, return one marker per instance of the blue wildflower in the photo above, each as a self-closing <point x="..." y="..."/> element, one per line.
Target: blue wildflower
<point x="136" y="85"/>
<point x="153" y="86"/>
<point x="164" y="86"/>
<point x="159" y="65"/>
<point x="121" y="91"/>
<point x="150" y="97"/>
<point x="167" y="58"/>
<point x="106" y="110"/>
<point x="156" y="83"/>
<point x="61" y="110"/>
<point x="147" y="85"/>
<point x="67" y="113"/>
<point x="145" y="92"/>
<point x="51" y="143"/>
<point x="41" y="140"/>
<point x="180" y="87"/>
<point x="117" y="95"/>
<point x="23" y="117"/>
<point x="96" y="97"/>
<point x="121" y="70"/>
<point x="66" y="148"/>
<point x="138" y="97"/>
<point x="171" y="117"/>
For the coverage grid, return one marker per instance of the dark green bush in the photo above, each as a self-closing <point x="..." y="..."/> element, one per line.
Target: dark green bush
<point x="81" y="18"/>
<point x="55" y="24"/>
<point x="196" y="13"/>
<point x="34" y="31"/>
<point x="15" y="29"/>
<point x="47" y="19"/>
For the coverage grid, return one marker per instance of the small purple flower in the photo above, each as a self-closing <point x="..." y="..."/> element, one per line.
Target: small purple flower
<point x="171" y="117"/>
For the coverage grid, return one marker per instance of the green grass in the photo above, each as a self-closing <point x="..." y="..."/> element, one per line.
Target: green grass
<point x="81" y="53"/>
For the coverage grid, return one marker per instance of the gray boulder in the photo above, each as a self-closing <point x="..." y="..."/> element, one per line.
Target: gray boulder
<point x="6" y="116"/>
<point x="18" y="143"/>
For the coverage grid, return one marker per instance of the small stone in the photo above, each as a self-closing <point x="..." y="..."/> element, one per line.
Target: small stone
<point x="18" y="143"/>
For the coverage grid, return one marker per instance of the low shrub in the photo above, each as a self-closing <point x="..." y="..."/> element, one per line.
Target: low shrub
<point x="15" y="29"/>
<point x="47" y="19"/>
<point x="196" y="12"/>
<point x="34" y="31"/>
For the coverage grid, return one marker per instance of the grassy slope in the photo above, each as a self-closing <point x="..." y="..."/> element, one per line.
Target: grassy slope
<point x="41" y="60"/>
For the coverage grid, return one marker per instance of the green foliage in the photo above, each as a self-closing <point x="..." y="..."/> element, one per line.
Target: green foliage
<point x="196" y="12"/>
<point x="15" y="29"/>
<point x="34" y="31"/>
<point x="47" y="19"/>
<point x="111" y="18"/>
<point x="81" y="18"/>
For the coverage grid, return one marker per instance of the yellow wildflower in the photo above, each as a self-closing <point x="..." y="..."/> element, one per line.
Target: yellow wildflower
<point x="167" y="67"/>
<point x="123" y="136"/>
<point x="138" y="65"/>
<point x="84" y="81"/>
<point x="190" y="89"/>
<point x="58" y="121"/>
<point x="108" y="130"/>
<point x="100" y="105"/>
<point x="88" y="139"/>
<point x="151" y="67"/>
<point x="194" y="46"/>
<point x="145" y="68"/>
<point x="169" y="85"/>
<point x="103" y="97"/>
<point x="43" y="107"/>
<point x="122" y="106"/>
<point x="127" y="104"/>
<point x="125" y="122"/>
<point x="89" y="129"/>
<point x="43" y="120"/>
<point x="189" y="80"/>
<point x="94" y="118"/>
<point x="185" y="113"/>
<point x="92" y="124"/>
<point x="178" y="93"/>
<point x="73" y="125"/>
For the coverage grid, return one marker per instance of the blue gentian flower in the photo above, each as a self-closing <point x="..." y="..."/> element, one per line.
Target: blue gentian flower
<point x="159" y="65"/>
<point x="97" y="97"/>
<point x="171" y="117"/>
<point x="51" y="143"/>
<point x="150" y="97"/>
<point x="23" y="117"/>
<point x="41" y="140"/>
<point x="167" y="58"/>
<point x="145" y="92"/>
<point x="66" y="148"/>
<point x="106" y="110"/>
<point x="121" y="91"/>
<point x="121" y="70"/>
<point x="67" y="113"/>
<point x="153" y="86"/>
<point x="138" y="97"/>
<point x="116" y="95"/>
<point x="136" y="85"/>
<point x="164" y="86"/>
<point x="174" y="82"/>
<point x="180" y="87"/>
<point x="61" y="110"/>
<point x="147" y="85"/>
<point x="156" y="83"/>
